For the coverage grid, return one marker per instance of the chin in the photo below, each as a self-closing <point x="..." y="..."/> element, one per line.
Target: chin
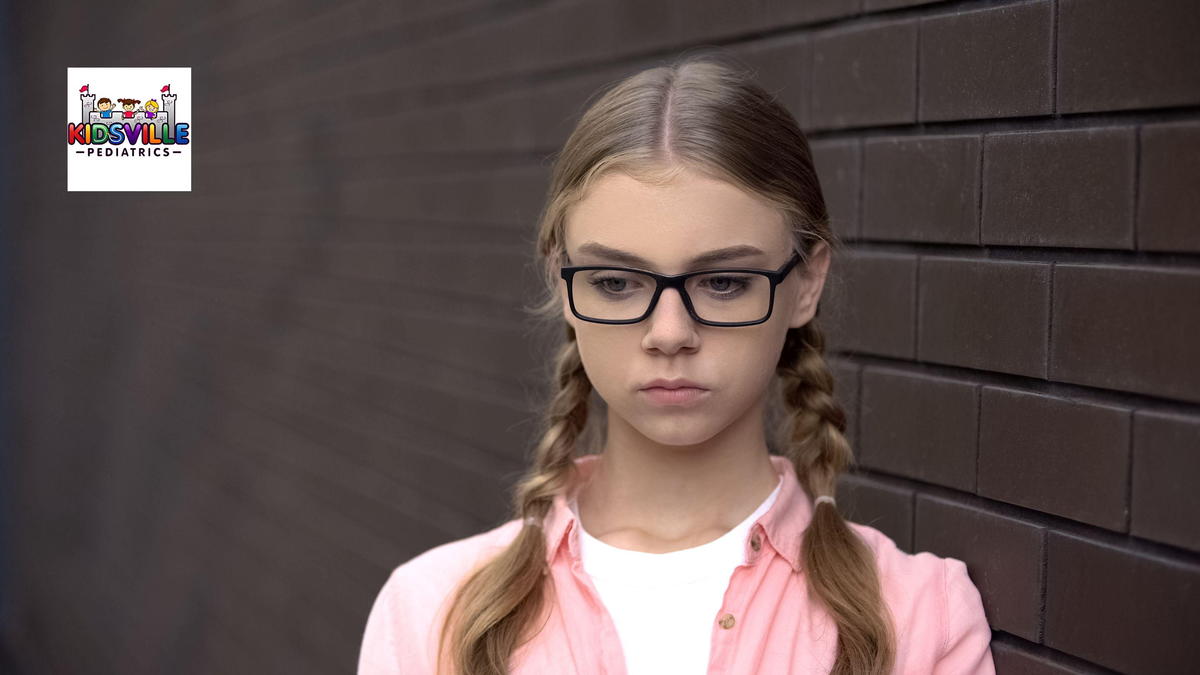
<point x="681" y="430"/>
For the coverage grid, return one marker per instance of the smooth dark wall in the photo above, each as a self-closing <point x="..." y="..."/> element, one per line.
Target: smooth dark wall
<point x="235" y="410"/>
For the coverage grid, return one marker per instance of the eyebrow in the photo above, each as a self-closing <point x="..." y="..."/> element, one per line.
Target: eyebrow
<point x="715" y="256"/>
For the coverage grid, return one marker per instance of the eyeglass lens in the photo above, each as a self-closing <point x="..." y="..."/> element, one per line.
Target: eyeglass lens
<point x="619" y="295"/>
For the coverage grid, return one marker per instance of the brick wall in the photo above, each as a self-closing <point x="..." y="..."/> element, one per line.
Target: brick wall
<point x="236" y="409"/>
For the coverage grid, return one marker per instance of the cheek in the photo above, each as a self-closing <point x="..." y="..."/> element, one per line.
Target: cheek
<point x="605" y="361"/>
<point x="750" y="366"/>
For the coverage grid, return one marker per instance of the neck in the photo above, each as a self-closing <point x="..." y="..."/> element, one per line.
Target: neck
<point x="647" y="496"/>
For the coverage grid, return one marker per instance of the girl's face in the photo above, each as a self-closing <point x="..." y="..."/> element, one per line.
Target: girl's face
<point x="669" y="226"/>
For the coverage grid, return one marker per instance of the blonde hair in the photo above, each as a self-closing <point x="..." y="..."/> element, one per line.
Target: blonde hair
<point x="705" y="113"/>
<point x="151" y="102"/>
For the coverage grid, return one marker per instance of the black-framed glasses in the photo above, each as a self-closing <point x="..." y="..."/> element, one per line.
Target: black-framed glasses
<point x="720" y="297"/>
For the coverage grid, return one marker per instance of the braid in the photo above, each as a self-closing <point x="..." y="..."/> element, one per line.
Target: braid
<point x="840" y="568"/>
<point x="498" y="603"/>
<point x="818" y="422"/>
<point x="565" y="419"/>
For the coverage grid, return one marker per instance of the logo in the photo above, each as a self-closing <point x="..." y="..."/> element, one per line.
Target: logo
<point x="129" y="129"/>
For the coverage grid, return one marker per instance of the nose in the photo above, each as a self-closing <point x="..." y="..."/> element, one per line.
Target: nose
<point x="669" y="326"/>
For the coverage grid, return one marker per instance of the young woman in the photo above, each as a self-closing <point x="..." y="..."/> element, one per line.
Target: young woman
<point x="685" y="244"/>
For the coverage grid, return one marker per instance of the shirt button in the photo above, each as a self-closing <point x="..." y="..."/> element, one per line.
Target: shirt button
<point x="727" y="621"/>
<point x="755" y="543"/>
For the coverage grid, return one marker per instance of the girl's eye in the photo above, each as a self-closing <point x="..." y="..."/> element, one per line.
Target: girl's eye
<point x="725" y="285"/>
<point x="612" y="284"/>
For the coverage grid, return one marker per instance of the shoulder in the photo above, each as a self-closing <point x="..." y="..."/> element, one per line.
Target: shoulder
<point x="903" y="574"/>
<point x="405" y="620"/>
<point x="913" y="584"/>
<point x="429" y="577"/>
<point x="441" y="567"/>
<point x="938" y="609"/>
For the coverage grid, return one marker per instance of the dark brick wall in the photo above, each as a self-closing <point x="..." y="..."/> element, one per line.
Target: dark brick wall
<point x="234" y="410"/>
<point x="7" y="393"/>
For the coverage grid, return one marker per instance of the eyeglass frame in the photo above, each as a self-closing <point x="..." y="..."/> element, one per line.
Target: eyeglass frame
<point x="677" y="281"/>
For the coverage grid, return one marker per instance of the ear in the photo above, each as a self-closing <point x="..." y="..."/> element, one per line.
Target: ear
<point x="810" y="282"/>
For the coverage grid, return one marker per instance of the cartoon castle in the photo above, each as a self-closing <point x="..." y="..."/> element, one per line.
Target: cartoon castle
<point x="90" y="114"/>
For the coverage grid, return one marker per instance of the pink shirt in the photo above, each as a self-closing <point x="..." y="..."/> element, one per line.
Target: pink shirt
<point x="767" y="624"/>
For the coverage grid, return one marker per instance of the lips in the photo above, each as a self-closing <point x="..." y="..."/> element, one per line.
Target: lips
<point x="679" y="396"/>
<point x="673" y="392"/>
<point x="677" y="383"/>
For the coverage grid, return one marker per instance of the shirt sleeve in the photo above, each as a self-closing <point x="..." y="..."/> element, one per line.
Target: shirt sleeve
<point x="968" y="637"/>
<point x="393" y="642"/>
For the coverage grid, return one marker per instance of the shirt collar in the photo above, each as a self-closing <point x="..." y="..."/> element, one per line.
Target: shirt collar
<point x="783" y="524"/>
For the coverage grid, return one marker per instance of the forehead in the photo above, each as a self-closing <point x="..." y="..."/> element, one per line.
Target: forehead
<point x="673" y="223"/>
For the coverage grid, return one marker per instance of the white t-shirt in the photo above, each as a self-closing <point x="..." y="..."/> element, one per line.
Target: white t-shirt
<point x="665" y="605"/>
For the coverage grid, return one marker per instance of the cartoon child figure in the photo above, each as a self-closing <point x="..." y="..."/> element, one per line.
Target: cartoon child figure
<point x="128" y="104"/>
<point x="105" y="106"/>
<point x="151" y="108"/>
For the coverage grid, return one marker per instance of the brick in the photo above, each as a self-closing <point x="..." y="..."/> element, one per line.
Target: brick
<point x="872" y="303"/>
<point x="517" y="119"/>
<point x="993" y="62"/>
<point x="1166" y="472"/>
<point x="378" y="380"/>
<point x="886" y="508"/>
<point x="782" y="67"/>
<point x="986" y="314"/>
<point x="864" y="76"/>
<point x="496" y="196"/>
<point x="1121" y="54"/>
<point x="398" y="451"/>
<point x="1003" y="554"/>
<point x="839" y="168"/>
<point x="705" y="20"/>
<point x="1168" y="198"/>
<point x="1145" y="340"/>
<point x="1059" y="456"/>
<point x="1121" y="609"/>
<point x="879" y="5"/>
<point x="1010" y="657"/>
<point x="1059" y="188"/>
<point x="555" y="37"/>
<point x="922" y="189"/>
<point x="845" y="391"/>
<point x="919" y="426"/>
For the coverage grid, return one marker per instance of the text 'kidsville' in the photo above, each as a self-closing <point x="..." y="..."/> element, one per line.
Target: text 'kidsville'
<point x="145" y="133"/>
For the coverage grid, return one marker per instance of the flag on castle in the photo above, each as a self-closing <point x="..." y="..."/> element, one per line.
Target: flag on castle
<point x="166" y="89"/>
<point x="83" y="89"/>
